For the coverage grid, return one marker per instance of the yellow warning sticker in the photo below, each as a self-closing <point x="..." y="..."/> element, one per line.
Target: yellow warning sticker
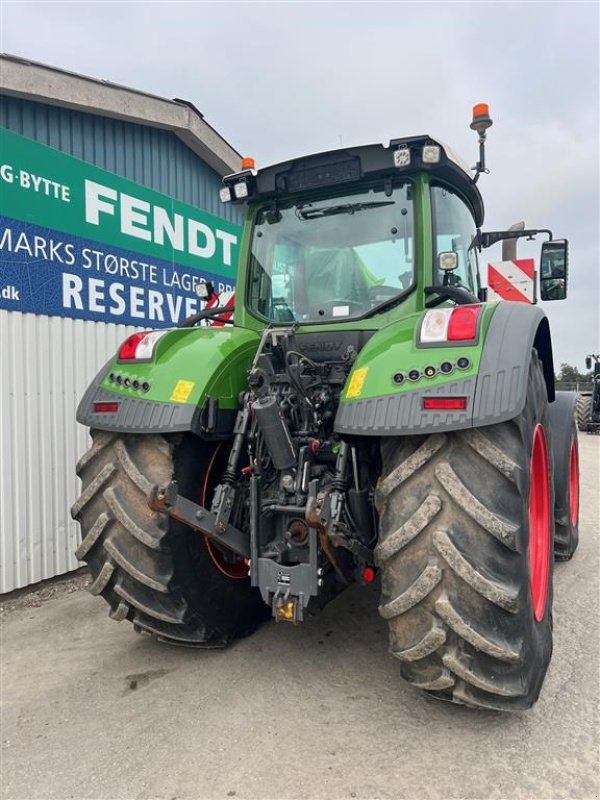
<point x="182" y="391"/>
<point x="356" y="382"/>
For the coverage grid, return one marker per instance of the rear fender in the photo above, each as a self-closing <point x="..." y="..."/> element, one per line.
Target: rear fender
<point x="494" y="384"/>
<point x="192" y="383"/>
<point x="515" y="329"/>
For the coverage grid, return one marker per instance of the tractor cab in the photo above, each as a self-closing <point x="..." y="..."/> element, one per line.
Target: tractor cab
<point x="348" y="234"/>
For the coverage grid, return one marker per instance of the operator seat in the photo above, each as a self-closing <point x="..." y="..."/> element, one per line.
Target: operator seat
<point x="335" y="275"/>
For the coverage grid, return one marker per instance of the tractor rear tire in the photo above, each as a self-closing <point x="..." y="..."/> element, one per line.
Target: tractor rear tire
<point x="583" y="411"/>
<point x="152" y="571"/>
<point x="462" y="515"/>
<point x="566" y="512"/>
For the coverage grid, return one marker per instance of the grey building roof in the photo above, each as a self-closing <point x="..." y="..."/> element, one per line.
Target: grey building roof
<point x="31" y="80"/>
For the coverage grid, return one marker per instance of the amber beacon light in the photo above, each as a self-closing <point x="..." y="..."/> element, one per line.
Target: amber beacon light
<point x="481" y="118"/>
<point x="481" y="122"/>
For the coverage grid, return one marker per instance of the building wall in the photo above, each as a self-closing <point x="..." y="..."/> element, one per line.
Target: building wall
<point x="45" y="366"/>
<point x="152" y="157"/>
<point x="47" y="362"/>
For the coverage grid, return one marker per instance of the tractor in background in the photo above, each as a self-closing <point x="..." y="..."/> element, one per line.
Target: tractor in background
<point x="588" y="403"/>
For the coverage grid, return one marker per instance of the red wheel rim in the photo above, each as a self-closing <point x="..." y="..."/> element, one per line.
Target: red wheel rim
<point x="232" y="569"/>
<point x="574" y="483"/>
<point x="539" y="523"/>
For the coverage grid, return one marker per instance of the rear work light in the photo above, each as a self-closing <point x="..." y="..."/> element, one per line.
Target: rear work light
<point x="444" y="403"/>
<point x="106" y="408"/>
<point x="402" y="157"/>
<point x="431" y="154"/>
<point x="140" y="346"/>
<point x="450" y="324"/>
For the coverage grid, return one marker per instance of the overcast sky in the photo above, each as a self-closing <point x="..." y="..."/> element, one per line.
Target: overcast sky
<point x="286" y="79"/>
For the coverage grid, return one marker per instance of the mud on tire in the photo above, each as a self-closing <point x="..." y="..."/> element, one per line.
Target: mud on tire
<point x="454" y="552"/>
<point x="153" y="572"/>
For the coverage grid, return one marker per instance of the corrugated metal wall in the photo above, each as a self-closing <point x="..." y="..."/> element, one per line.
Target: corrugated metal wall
<point x="47" y="362"/>
<point x="150" y="156"/>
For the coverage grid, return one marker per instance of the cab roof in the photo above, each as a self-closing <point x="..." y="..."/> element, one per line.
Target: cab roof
<point x="354" y="164"/>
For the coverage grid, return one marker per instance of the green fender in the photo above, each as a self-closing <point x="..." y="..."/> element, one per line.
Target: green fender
<point x="192" y="382"/>
<point x="196" y="375"/>
<point x="394" y="375"/>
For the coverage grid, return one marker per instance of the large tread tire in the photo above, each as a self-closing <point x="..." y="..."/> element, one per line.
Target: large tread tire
<point x="566" y="519"/>
<point x="583" y="411"/>
<point x="154" y="572"/>
<point x="453" y="548"/>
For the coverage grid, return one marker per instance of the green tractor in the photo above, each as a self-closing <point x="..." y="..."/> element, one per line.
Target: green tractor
<point x="587" y="408"/>
<point x="362" y="408"/>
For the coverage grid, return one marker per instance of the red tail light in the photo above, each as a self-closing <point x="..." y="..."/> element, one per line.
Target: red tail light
<point x="444" y="403"/>
<point x="457" y="324"/>
<point x="140" y="346"/>
<point x="463" y="323"/>
<point x="129" y="346"/>
<point x="106" y="408"/>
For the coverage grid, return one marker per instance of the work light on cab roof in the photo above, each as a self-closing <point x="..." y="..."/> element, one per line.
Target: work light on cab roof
<point x="410" y="153"/>
<point x="236" y="185"/>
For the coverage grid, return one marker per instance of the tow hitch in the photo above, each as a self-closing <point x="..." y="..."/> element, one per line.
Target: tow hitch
<point x="287" y="589"/>
<point x="166" y="500"/>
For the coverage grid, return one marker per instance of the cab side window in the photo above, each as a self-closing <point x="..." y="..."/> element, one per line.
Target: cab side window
<point x="454" y="230"/>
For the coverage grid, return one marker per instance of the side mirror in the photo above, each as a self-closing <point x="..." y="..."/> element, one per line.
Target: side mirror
<point x="588" y="362"/>
<point x="554" y="267"/>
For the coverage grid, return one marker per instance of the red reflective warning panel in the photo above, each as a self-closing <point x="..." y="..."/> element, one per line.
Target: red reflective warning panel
<point x="444" y="403"/>
<point x="106" y="408"/>
<point x="463" y="323"/>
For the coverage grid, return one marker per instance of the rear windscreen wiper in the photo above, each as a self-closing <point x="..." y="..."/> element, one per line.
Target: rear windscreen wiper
<point x="308" y="212"/>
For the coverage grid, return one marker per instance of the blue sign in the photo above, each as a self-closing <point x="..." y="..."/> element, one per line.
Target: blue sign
<point x="45" y="271"/>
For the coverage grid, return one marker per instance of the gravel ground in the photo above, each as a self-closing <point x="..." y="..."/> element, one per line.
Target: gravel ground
<point x="90" y="710"/>
<point x="45" y="590"/>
